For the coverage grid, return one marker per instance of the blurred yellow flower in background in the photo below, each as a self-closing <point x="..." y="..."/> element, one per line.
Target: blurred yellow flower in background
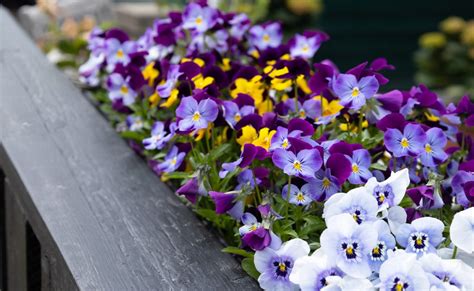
<point x="433" y="40"/>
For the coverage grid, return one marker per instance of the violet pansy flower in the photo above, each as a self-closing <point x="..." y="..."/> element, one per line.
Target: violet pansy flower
<point x="360" y="163"/>
<point x="352" y="92"/>
<point x="233" y="114"/>
<point x="304" y="47"/>
<point x="265" y="36"/>
<point x="255" y="235"/>
<point x="433" y="153"/>
<point x="303" y="164"/>
<point x="164" y="90"/>
<point x="463" y="188"/>
<point x="422" y="236"/>
<point x="194" y="115"/>
<point x="409" y="143"/>
<point x="119" y="89"/>
<point x="298" y="196"/>
<point x="199" y="18"/>
<point x="275" y="266"/>
<point x="172" y="162"/>
<point x="134" y="123"/>
<point x="118" y="53"/>
<point x="159" y="137"/>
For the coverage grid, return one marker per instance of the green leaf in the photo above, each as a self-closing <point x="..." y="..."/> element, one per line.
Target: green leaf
<point x="178" y="175"/>
<point x="237" y="251"/>
<point x="378" y="166"/>
<point x="219" y="151"/>
<point x="132" y="135"/>
<point x="249" y="267"/>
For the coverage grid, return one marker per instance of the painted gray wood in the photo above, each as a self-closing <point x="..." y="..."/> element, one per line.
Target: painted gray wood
<point x="104" y="220"/>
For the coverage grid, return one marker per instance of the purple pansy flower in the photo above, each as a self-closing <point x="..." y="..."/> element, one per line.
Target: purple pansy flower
<point x="360" y="162"/>
<point x="422" y="236"/>
<point x="119" y="89"/>
<point x="255" y="235"/>
<point x="425" y="197"/>
<point x="265" y="36"/>
<point x="164" y="90"/>
<point x="304" y="47"/>
<point x="433" y="152"/>
<point x="353" y="92"/>
<point x="298" y="196"/>
<point x="172" y="161"/>
<point x="198" y="18"/>
<point x="240" y="23"/>
<point x="275" y="265"/>
<point x="303" y="164"/>
<point x="192" y="189"/>
<point x="159" y="137"/>
<point x="226" y="202"/>
<point x="463" y="188"/>
<point x="118" y="53"/>
<point x="134" y="123"/>
<point x="194" y="115"/>
<point x="409" y="143"/>
<point x="233" y="114"/>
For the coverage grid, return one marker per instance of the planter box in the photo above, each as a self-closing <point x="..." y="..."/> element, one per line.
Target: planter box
<point x="79" y="210"/>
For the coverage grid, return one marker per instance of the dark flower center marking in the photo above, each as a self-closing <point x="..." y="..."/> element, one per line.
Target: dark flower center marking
<point x="399" y="285"/>
<point x="282" y="268"/>
<point x="419" y="241"/>
<point x="350" y="250"/>
<point x="382" y="193"/>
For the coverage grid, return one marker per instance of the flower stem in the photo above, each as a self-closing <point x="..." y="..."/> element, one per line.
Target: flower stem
<point x="288" y="197"/>
<point x="455" y="252"/>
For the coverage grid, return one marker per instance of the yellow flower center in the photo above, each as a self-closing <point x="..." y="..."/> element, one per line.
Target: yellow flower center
<point x="173" y="161"/>
<point x="266" y="38"/>
<point x="297" y="165"/>
<point x="404" y="142"/>
<point x="349" y="250"/>
<point x="285" y="143"/>
<point x="326" y="183"/>
<point x="305" y="48"/>
<point x="198" y="20"/>
<point x="120" y="53"/>
<point x="282" y="267"/>
<point x="196" y="116"/>
<point x="355" y="92"/>
<point x="300" y="197"/>
<point x="124" y="89"/>
<point x="376" y="251"/>
<point x="428" y="148"/>
<point x="237" y="117"/>
<point x="355" y="168"/>
<point x="302" y="114"/>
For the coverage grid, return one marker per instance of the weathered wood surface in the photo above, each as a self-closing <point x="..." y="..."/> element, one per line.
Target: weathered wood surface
<point x="100" y="214"/>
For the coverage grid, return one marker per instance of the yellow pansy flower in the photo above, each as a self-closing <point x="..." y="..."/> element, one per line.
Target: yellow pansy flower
<point x="265" y="106"/>
<point x="200" y="82"/>
<point x="154" y="99"/>
<point x="264" y="138"/>
<point x="171" y="100"/>
<point x="252" y="87"/>
<point x="150" y="73"/>
<point x="249" y="134"/>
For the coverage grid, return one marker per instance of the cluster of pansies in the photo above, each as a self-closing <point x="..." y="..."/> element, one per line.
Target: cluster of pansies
<point x="285" y="155"/>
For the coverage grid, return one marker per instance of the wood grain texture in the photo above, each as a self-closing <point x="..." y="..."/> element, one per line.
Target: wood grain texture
<point x="114" y="224"/>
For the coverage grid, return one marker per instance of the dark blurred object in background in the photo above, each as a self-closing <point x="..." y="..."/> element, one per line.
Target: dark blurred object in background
<point x="15" y="4"/>
<point x="364" y="30"/>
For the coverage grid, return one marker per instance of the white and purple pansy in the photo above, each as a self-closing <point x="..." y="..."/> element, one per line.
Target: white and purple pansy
<point x="172" y="162"/>
<point x="391" y="191"/>
<point x="422" y="236"/>
<point x="297" y="196"/>
<point x="303" y="164"/>
<point x="159" y="137"/>
<point x="119" y="89"/>
<point x="275" y="266"/>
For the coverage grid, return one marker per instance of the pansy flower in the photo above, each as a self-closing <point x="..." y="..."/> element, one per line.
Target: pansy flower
<point x="297" y="196"/>
<point x="303" y="164"/>
<point x="196" y="115"/>
<point x="385" y="242"/>
<point x="311" y="272"/>
<point x="433" y="153"/>
<point x="425" y="197"/>
<point x="402" y="272"/>
<point x="391" y="191"/>
<point x="118" y="53"/>
<point x="134" y="123"/>
<point x="352" y="92"/>
<point x="348" y="243"/>
<point x="255" y="236"/>
<point x="461" y="230"/>
<point x="268" y="35"/>
<point x="227" y="203"/>
<point x="410" y="142"/>
<point x="198" y="18"/>
<point x="275" y="266"/>
<point x="164" y="90"/>
<point x="306" y="45"/>
<point x="119" y="89"/>
<point x="463" y="187"/>
<point x="360" y="163"/>
<point x="172" y="162"/>
<point x="357" y="202"/>
<point x="159" y="137"/>
<point x="422" y="236"/>
<point x="89" y="71"/>
<point x="233" y="114"/>
<point x="447" y="274"/>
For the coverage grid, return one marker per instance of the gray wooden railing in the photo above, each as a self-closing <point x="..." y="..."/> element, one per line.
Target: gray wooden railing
<point x="79" y="210"/>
